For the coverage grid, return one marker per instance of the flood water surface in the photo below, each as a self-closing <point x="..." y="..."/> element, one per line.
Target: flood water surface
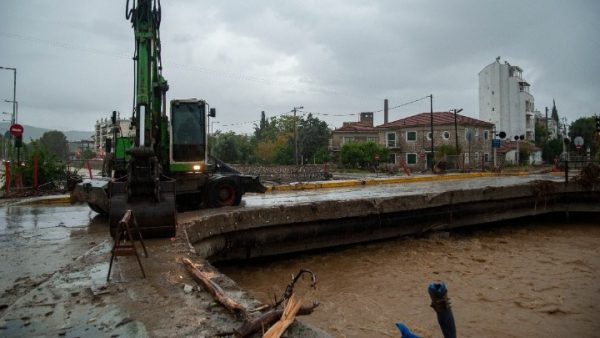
<point x="526" y="280"/>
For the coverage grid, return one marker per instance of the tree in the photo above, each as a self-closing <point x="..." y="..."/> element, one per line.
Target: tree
<point x="313" y="135"/>
<point x="586" y="128"/>
<point x="351" y="154"/>
<point x="551" y="150"/>
<point x="554" y="111"/>
<point x="55" y="143"/>
<point x="231" y="147"/>
<point x="363" y="154"/>
<point x="541" y="135"/>
<point x="50" y="168"/>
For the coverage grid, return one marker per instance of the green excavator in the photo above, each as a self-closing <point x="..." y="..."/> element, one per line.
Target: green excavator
<point x="168" y="164"/>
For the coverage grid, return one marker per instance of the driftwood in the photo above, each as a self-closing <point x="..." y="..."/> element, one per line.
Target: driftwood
<point x="214" y="289"/>
<point x="287" y="315"/>
<point x="292" y="306"/>
<point x="270" y="317"/>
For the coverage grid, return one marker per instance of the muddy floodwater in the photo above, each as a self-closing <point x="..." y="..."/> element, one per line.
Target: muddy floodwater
<point x="532" y="279"/>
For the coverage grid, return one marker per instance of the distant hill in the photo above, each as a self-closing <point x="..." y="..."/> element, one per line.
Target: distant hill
<point x="34" y="133"/>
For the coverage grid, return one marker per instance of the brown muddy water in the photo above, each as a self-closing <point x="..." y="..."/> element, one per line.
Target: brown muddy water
<point x="532" y="279"/>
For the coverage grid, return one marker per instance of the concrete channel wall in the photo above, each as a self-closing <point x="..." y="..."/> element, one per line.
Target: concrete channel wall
<point x="241" y="233"/>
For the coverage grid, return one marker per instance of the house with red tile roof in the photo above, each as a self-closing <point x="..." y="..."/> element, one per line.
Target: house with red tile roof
<point x="361" y="131"/>
<point x="409" y="139"/>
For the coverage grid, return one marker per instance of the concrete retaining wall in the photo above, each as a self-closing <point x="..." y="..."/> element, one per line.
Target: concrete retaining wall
<point x="240" y="233"/>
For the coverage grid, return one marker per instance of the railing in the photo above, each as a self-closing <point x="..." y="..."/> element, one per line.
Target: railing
<point x="573" y="163"/>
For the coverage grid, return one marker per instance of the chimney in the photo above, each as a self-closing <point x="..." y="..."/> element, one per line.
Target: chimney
<point x="385" y="111"/>
<point x="366" y="118"/>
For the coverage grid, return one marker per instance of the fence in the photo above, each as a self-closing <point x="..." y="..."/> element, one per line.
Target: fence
<point x="290" y="173"/>
<point x="25" y="180"/>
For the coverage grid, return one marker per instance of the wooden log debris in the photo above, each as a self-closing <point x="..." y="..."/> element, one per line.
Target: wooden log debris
<point x="214" y="289"/>
<point x="286" y="316"/>
<point x="292" y="307"/>
<point x="268" y="318"/>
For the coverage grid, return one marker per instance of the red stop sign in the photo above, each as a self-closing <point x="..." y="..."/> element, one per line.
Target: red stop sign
<point x="16" y="130"/>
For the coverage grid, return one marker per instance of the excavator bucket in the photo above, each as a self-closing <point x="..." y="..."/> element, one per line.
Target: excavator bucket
<point x="156" y="217"/>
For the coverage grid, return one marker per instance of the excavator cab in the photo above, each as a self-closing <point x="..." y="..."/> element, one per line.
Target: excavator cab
<point x="188" y="135"/>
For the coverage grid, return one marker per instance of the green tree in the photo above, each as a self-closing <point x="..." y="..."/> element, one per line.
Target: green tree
<point x="586" y="128"/>
<point x="55" y="144"/>
<point x="363" y="154"/>
<point x="554" y="111"/>
<point x="541" y="135"/>
<point x="551" y="150"/>
<point x="284" y="150"/>
<point x="50" y="168"/>
<point x="231" y="147"/>
<point x="352" y="155"/>
<point x="313" y="135"/>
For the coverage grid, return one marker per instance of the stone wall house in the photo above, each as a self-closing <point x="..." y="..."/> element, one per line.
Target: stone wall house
<point x="361" y="131"/>
<point x="409" y="139"/>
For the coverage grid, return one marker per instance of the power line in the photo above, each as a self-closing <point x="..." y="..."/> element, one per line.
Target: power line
<point x="304" y="113"/>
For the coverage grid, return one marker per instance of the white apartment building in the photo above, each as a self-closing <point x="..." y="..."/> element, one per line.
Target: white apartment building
<point x="505" y="101"/>
<point x="104" y="130"/>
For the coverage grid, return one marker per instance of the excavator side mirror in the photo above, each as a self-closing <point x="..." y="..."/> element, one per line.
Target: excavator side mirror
<point x="212" y="112"/>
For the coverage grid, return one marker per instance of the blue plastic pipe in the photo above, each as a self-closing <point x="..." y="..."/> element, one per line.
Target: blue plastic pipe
<point x="441" y="304"/>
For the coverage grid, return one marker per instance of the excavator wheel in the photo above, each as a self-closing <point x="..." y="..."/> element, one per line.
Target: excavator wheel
<point x="224" y="193"/>
<point x="154" y="219"/>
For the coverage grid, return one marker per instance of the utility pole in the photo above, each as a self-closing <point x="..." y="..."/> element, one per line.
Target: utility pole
<point x="296" y="135"/>
<point x="431" y="109"/>
<point x="456" y="111"/>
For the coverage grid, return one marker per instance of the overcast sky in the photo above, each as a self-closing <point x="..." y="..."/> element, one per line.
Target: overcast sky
<point x="335" y="58"/>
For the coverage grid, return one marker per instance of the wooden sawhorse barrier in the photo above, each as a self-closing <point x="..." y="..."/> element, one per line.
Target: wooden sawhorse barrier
<point x="124" y="244"/>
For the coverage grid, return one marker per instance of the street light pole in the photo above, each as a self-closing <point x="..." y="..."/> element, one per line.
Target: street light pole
<point x="14" y="101"/>
<point x="296" y="135"/>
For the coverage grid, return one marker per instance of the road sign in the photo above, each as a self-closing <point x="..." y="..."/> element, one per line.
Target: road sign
<point x="16" y="130"/>
<point x="496" y="143"/>
<point x="578" y="141"/>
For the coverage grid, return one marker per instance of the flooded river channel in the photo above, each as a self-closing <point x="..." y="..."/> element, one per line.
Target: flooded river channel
<point x="531" y="279"/>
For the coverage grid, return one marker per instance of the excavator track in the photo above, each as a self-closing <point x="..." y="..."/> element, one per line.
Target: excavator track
<point x="155" y="218"/>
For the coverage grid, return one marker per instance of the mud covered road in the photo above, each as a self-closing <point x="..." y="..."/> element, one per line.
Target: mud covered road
<point x="523" y="280"/>
<point x="53" y="266"/>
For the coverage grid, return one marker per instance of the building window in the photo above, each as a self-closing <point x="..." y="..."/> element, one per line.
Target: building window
<point x="486" y="157"/>
<point x="347" y="139"/>
<point x="446" y="135"/>
<point x="411" y="158"/>
<point x="476" y="132"/>
<point x="468" y="135"/>
<point x="486" y="134"/>
<point x="391" y="139"/>
<point x="411" y="136"/>
<point x="372" y="139"/>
